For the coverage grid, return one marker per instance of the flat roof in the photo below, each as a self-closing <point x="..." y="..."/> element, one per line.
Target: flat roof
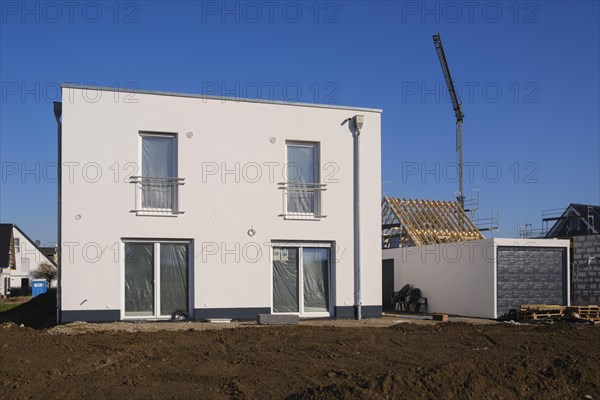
<point x="221" y="98"/>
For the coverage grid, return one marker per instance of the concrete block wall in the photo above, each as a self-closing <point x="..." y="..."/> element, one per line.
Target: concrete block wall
<point x="586" y="276"/>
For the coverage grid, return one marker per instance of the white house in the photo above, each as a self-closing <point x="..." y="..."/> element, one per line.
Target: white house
<point x="483" y="278"/>
<point x="19" y="257"/>
<point x="224" y="208"/>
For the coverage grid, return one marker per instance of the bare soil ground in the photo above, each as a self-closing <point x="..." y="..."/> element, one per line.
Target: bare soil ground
<point x="388" y="358"/>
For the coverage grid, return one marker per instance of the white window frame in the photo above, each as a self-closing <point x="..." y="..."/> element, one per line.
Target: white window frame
<point x="174" y="211"/>
<point x="330" y="285"/>
<point x="318" y="186"/>
<point x="156" y="251"/>
<point x="17" y="244"/>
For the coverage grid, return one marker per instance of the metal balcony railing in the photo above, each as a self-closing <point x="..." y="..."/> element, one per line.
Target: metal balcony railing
<point x="156" y="195"/>
<point x="302" y="200"/>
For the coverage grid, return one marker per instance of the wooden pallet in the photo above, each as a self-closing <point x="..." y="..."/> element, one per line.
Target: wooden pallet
<point x="591" y="313"/>
<point x="538" y="312"/>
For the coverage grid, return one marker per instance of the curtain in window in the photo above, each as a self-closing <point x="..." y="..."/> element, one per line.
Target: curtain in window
<point x="316" y="279"/>
<point x="139" y="279"/>
<point x="157" y="162"/>
<point x="173" y="277"/>
<point x="301" y="169"/>
<point x="285" y="280"/>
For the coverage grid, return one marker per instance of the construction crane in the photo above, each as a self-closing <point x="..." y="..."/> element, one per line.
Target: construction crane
<point x="437" y="40"/>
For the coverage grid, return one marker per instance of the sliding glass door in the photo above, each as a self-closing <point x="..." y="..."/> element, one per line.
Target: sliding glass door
<point x="301" y="280"/>
<point x="156" y="278"/>
<point x="315" y="279"/>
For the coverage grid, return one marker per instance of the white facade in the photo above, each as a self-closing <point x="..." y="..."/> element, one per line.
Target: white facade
<point x="462" y="278"/>
<point x="229" y="204"/>
<point x="27" y="257"/>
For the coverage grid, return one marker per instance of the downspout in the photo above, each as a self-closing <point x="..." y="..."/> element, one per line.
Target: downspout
<point x="357" y="120"/>
<point x="57" y="115"/>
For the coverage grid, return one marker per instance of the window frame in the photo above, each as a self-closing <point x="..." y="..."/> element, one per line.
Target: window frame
<point x="318" y="186"/>
<point x="147" y="211"/>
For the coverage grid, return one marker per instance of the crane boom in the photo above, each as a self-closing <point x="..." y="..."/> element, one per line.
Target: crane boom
<point x="437" y="40"/>
<point x="457" y="106"/>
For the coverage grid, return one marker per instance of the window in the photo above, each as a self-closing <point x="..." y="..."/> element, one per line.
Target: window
<point x="301" y="277"/>
<point x="158" y="186"/>
<point x="17" y="245"/>
<point x="156" y="278"/>
<point x="303" y="187"/>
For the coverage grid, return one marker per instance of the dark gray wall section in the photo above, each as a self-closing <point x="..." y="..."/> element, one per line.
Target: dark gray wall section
<point x="206" y="313"/>
<point x="90" y="315"/>
<point x="232" y="313"/>
<point x="351" y="312"/>
<point x="528" y="275"/>
<point x="586" y="270"/>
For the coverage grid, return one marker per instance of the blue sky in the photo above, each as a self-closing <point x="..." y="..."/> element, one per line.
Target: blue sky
<point x="528" y="75"/>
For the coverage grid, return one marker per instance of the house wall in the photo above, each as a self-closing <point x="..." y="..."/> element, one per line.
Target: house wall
<point x="458" y="278"/>
<point x="222" y="197"/>
<point x="586" y="275"/>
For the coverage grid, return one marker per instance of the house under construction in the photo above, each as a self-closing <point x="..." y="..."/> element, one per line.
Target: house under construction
<point x="435" y="246"/>
<point x="408" y="222"/>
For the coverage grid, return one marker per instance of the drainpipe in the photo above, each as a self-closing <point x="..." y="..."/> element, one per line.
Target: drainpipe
<point x="57" y="115"/>
<point x="357" y="120"/>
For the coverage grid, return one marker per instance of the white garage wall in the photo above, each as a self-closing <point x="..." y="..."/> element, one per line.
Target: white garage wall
<point x="458" y="278"/>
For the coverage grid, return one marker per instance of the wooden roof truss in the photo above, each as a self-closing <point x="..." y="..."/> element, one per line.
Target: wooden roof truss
<point x="423" y="222"/>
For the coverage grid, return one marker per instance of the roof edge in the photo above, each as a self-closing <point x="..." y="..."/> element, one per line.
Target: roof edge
<point x="15" y="226"/>
<point x="221" y="98"/>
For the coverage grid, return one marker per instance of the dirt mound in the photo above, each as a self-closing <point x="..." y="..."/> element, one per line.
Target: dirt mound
<point x="38" y="313"/>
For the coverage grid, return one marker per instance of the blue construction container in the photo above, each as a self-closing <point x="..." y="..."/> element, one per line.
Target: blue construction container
<point x="38" y="286"/>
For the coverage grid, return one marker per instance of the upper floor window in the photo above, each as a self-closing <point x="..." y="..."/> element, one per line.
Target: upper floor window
<point x="302" y="187"/>
<point x="17" y="245"/>
<point x="158" y="185"/>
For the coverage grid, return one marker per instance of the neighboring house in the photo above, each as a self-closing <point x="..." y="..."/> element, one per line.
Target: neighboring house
<point x="576" y="220"/>
<point x="19" y="256"/>
<point x="50" y="252"/>
<point x="224" y="208"/>
<point x="581" y="224"/>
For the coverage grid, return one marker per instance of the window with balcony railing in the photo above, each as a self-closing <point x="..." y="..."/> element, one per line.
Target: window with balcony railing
<point x="302" y="190"/>
<point x="157" y="188"/>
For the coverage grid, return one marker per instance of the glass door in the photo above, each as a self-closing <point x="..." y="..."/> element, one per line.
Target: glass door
<point x="285" y="280"/>
<point x="173" y="278"/>
<point x="301" y="280"/>
<point x="315" y="279"/>
<point x="156" y="279"/>
<point x="139" y="279"/>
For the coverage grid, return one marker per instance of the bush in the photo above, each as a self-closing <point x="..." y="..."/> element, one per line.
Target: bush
<point x="45" y="271"/>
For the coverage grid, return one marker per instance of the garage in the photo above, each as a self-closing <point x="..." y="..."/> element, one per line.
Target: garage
<point x="482" y="278"/>
<point x="527" y="275"/>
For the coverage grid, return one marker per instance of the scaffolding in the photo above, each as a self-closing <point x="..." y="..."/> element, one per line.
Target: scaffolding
<point x="489" y="224"/>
